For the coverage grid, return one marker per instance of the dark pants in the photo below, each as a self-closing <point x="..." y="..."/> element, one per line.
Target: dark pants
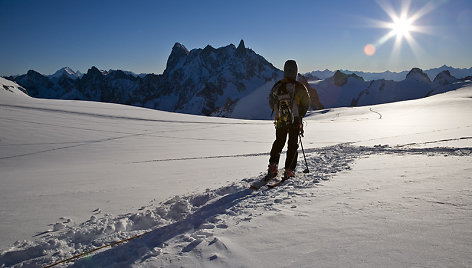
<point x="279" y="143"/>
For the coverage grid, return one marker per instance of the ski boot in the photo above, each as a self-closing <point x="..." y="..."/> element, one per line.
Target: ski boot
<point x="271" y="172"/>
<point x="288" y="173"/>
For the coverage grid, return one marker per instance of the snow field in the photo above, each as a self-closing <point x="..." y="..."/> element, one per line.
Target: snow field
<point x="192" y="224"/>
<point x="69" y="170"/>
<point x="389" y="185"/>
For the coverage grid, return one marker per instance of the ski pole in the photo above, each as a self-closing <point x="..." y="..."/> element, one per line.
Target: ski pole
<point x="306" y="164"/>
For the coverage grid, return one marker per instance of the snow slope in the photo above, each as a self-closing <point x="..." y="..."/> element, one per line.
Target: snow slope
<point x="253" y="106"/>
<point x="389" y="185"/>
<point x="9" y="89"/>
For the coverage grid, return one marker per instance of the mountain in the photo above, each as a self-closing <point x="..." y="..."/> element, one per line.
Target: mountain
<point x="233" y="82"/>
<point x="456" y="72"/>
<point x="67" y="72"/>
<point x="343" y="90"/>
<point x="444" y="78"/>
<point x="445" y="82"/>
<point x="320" y="75"/>
<point x="313" y="93"/>
<point x="112" y="86"/>
<point x="200" y="81"/>
<point x="416" y="85"/>
<point x="209" y="80"/>
<point x="10" y="88"/>
<point x="388" y="75"/>
<point x="340" y="89"/>
<point x="40" y="86"/>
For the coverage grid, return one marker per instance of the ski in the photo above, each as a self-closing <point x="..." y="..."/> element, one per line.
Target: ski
<point x="277" y="183"/>
<point x="263" y="181"/>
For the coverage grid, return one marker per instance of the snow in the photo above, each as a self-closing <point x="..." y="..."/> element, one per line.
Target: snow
<point x="9" y="89"/>
<point x="332" y="95"/>
<point x="66" y="71"/>
<point x="389" y="185"/>
<point x="250" y="107"/>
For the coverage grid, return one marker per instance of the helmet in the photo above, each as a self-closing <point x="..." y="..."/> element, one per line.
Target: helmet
<point x="291" y="69"/>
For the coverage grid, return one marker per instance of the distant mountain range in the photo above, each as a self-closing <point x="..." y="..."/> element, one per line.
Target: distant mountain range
<point x="344" y="90"/>
<point x="201" y="81"/>
<point x="233" y="82"/>
<point x="388" y="75"/>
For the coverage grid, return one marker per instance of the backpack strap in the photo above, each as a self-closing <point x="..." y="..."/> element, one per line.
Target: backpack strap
<point x="273" y="95"/>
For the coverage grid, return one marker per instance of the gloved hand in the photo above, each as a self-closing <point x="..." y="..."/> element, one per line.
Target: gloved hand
<point x="297" y="122"/>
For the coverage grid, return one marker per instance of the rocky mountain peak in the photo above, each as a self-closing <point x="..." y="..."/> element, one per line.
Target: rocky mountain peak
<point x="418" y="75"/>
<point x="340" y="78"/>
<point x="207" y="79"/>
<point x="241" y="49"/>
<point x="179" y="52"/>
<point x="94" y="72"/>
<point x="67" y="72"/>
<point x="33" y="74"/>
<point x="179" y="48"/>
<point x="443" y="74"/>
<point x="444" y="78"/>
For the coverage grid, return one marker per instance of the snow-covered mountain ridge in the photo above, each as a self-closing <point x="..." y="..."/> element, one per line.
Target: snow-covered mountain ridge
<point x="231" y="82"/>
<point x="344" y="90"/>
<point x="199" y="81"/>
<point x="8" y="87"/>
<point x="67" y="72"/>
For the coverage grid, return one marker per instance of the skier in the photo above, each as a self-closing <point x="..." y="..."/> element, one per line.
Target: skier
<point x="289" y="100"/>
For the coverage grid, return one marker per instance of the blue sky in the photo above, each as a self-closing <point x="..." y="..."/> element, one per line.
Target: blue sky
<point x="138" y="35"/>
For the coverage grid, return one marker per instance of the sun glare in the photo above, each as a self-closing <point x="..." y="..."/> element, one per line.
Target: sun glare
<point x="401" y="27"/>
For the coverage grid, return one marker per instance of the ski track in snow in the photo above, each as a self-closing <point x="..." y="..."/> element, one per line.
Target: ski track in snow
<point x="184" y="223"/>
<point x="380" y="115"/>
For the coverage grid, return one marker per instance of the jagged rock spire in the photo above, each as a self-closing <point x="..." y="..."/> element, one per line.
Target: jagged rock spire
<point x="178" y="51"/>
<point x="241" y="49"/>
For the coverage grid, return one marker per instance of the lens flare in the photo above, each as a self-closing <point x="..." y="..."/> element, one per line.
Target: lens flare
<point x="369" y="49"/>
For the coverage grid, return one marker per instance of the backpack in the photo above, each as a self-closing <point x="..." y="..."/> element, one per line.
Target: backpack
<point x="283" y="97"/>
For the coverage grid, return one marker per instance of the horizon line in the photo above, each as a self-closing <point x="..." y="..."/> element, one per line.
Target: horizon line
<point x="146" y="73"/>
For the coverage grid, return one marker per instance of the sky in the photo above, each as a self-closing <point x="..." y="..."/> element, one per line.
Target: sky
<point x="138" y="35"/>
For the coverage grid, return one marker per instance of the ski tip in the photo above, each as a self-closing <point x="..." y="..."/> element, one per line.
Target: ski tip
<point x="278" y="183"/>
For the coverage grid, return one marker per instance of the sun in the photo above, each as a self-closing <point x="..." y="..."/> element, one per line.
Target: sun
<point x="401" y="27"/>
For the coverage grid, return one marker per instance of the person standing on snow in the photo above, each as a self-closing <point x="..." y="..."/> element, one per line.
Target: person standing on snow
<point x="289" y="100"/>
